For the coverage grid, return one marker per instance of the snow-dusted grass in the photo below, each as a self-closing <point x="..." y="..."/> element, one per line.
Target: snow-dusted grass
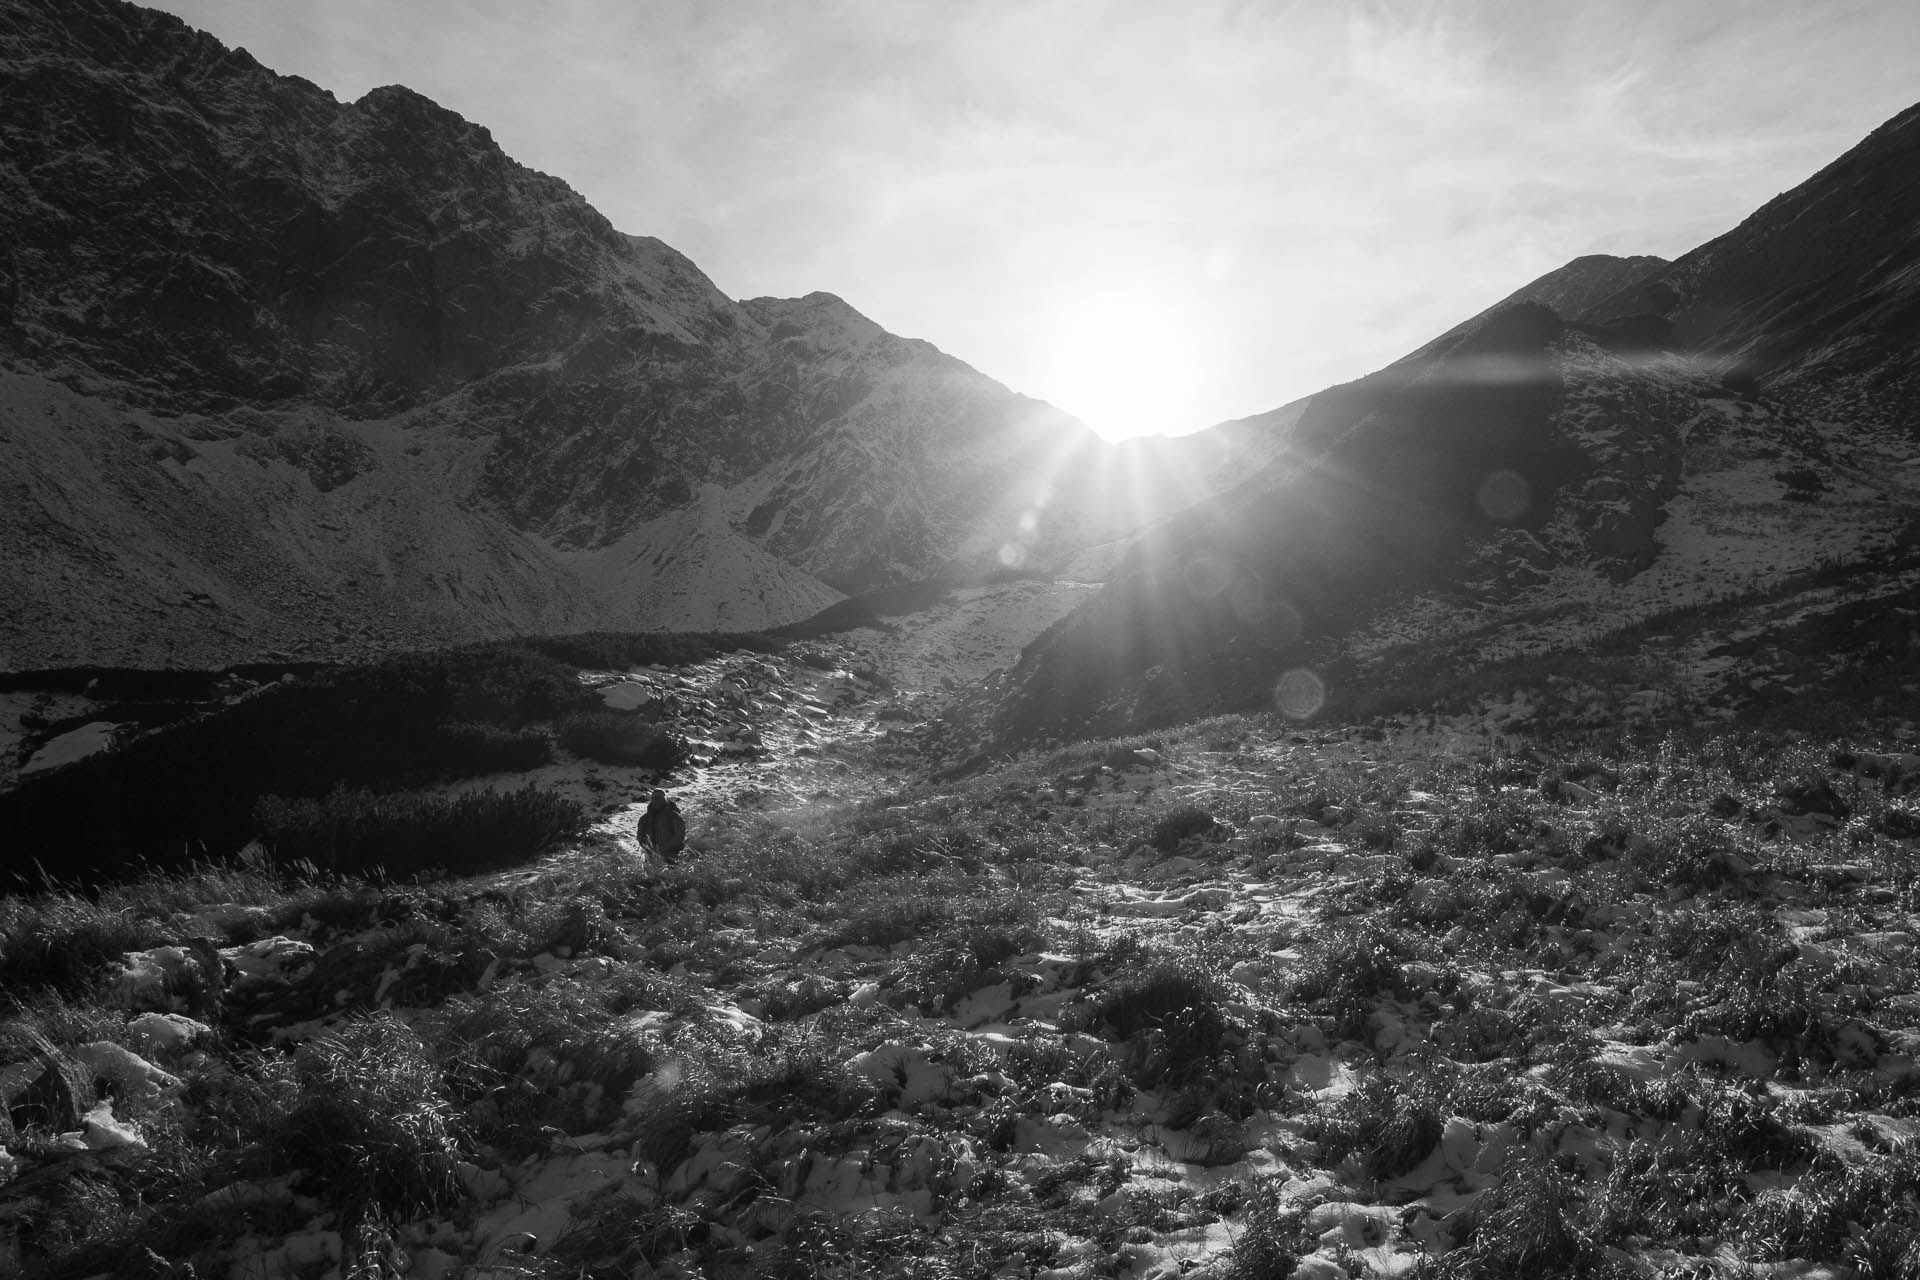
<point x="1226" y="999"/>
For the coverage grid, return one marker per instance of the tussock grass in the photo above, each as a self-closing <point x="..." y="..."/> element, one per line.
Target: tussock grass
<point x="374" y="1130"/>
<point x="532" y="1056"/>
<point x="1530" y="1224"/>
<point x="1389" y="1125"/>
<point x="706" y="1083"/>
<point x="1273" y="1235"/>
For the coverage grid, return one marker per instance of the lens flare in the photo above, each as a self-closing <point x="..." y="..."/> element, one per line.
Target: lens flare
<point x="1299" y="694"/>
<point x="1206" y="575"/>
<point x="1013" y="555"/>
<point x="1504" y="496"/>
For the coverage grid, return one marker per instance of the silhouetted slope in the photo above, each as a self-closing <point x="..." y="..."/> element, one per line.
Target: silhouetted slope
<point x="1524" y="444"/>
<point x="1817" y="295"/>
<point x="1568" y="291"/>
<point x="1396" y="477"/>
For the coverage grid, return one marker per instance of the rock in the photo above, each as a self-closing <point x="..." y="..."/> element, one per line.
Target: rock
<point x="1817" y="797"/>
<point x="132" y="1076"/>
<point x="100" y="1131"/>
<point x="58" y="1099"/>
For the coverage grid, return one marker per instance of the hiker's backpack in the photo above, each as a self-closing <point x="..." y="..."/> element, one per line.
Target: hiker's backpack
<point x="665" y="829"/>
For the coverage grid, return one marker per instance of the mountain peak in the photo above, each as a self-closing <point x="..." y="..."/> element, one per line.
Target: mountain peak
<point x="406" y="108"/>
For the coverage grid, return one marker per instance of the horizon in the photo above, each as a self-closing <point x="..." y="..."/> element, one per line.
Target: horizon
<point x="1101" y="214"/>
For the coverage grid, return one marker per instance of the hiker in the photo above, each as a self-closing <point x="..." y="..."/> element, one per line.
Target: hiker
<point x="662" y="829"/>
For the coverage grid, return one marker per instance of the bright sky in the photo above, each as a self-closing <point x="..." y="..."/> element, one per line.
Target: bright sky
<point x="1155" y="215"/>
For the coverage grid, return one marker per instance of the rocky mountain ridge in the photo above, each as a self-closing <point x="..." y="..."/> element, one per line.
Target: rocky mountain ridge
<point x="1718" y="427"/>
<point x="325" y="378"/>
<point x="1814" y="298"/>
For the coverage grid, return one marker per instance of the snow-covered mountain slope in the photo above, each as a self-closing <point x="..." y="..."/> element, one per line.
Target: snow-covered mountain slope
<point x="320" y="377"/>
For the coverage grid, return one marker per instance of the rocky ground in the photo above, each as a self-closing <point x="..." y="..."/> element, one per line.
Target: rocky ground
<point x="1248" y="999"/>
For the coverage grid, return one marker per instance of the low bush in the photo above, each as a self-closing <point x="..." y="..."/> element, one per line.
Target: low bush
<point x="1188" y="820"/>
<point x="471" y="748"/>
<point x="1173" y="1016"/>
<point x="1664" y="1189"/>
<point x="621" y="738"/>
<point x="706" y="1084"/>
<point x="402" y="835"/>
<point x="1861" y="1213"/>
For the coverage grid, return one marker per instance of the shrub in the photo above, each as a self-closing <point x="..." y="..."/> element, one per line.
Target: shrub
<point x="621" y="738"/>
<point x="1273" y="1235"/>
<point x="1174" y="1019"/>
<point x="1529" y="1225"/>
<point x="373" y="1131"/>
<point x="705" y="1085"/>
<point x="469" y="748"/>
<point x="1664" y="1189"/>
<point x="1187" y="820"/>
<point x="1857" y="1213"/>
<point x="1345" y="973"/>
<point x="402" y="835"/>
<point x="188" y="791"/>
<point x="1391" y="1125"/>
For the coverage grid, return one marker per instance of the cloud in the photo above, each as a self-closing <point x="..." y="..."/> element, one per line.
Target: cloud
<point x="1307" y="189"/>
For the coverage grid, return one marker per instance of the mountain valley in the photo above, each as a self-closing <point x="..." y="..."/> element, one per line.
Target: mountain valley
<point x="1464" y="822"/>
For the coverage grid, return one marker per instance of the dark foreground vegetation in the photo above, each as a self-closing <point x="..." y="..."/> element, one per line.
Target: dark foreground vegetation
<point x="192" y="791"/>
<point x="1230" y="1002"/>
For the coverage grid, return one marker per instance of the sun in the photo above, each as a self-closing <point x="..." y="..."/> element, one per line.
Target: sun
<point x="1125" y="364"/>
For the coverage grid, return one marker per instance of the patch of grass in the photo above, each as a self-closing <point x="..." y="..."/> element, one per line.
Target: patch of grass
<point x="1172" y="1015"/>
<point x="533" y="1055"/>
<point x="373" y="1133"/>
<point x="1273" y="1235"/>
<point x="66" y="943"/>
<point x="1390" y="1125"/>
<point x="1530" y="1224"/>
<point x="403" y="835"/>
<point x="1860" y="1214"/>
<point x="704" y="1083"/>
